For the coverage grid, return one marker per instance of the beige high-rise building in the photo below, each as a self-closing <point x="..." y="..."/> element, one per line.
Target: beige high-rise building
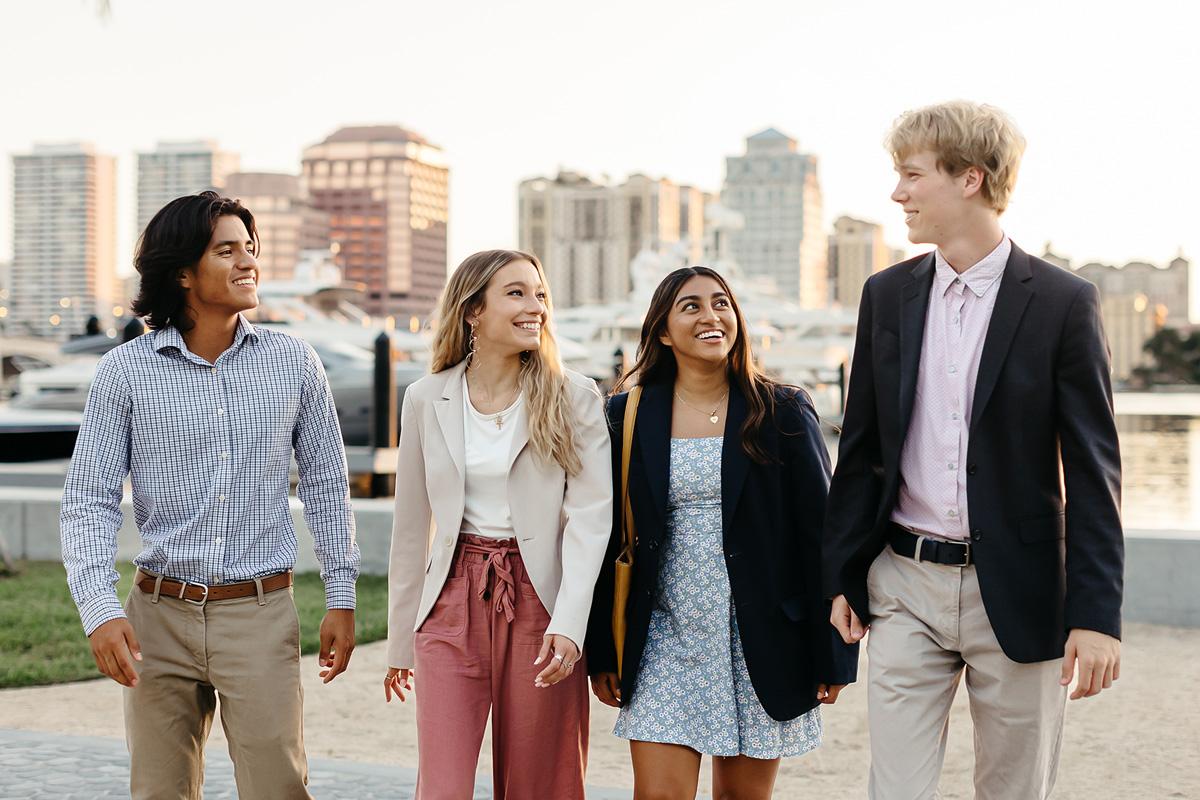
<point x="1136" y="300"/>
<point x="587" y="233"/>
<point x="287" y="223"/>
<point x="775" y="188"/>
<point x="64" y="240"/>
<point x="1166" y="288"/>
<point x="174" y="169"/>
<point x="386" y="190"/>
<point x="857" y="251"/>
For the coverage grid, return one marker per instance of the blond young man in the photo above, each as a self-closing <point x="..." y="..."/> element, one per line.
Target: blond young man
<point x="973" y="522"/>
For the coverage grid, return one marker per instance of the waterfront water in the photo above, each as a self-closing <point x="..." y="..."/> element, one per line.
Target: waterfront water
<point x="1160" y="464"/>
<point x="1160" y="458"/>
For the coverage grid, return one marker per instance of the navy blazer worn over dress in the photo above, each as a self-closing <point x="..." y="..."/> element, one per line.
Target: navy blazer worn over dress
<point x="1043" y="467"/>
<point x="772" y="516"/>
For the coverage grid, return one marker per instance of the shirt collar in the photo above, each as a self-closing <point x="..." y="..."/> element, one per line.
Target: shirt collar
<point x="170" y="337"/>
<point x="981" y="276"/>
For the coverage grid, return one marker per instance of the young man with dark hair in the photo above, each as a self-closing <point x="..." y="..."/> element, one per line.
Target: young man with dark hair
<point x="204" y="415"/>
<point x="973" y="519"/>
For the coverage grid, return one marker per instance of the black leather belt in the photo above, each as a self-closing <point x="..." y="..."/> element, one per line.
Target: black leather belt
<point x="939" y="551"/>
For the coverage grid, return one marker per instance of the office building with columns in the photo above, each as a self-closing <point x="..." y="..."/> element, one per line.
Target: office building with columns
<point x="587" y="233"/>
<point x="775" y="188"/>
<point x="386" y="191"/>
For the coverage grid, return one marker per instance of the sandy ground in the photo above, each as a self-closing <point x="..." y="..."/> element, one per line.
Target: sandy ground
<point x="1139" y="740"/>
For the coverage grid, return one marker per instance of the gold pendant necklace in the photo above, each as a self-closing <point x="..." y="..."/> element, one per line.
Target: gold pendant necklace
<point x="499" y="418"/>
<point x="712" y="415"/>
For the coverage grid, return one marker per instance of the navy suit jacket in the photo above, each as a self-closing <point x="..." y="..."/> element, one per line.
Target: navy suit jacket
<point x="1043" y="467"/>
<point x="771" y="522"/>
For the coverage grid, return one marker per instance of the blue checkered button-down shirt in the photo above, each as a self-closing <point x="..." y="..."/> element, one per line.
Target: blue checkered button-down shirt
<point x="207" y="448"/>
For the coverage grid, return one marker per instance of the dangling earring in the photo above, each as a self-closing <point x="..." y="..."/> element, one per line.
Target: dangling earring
<point x="472" y="346"/>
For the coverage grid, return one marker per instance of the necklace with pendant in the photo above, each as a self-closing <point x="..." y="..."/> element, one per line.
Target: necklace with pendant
<point x="712" y="415"/>
<point x="499" y="418"/>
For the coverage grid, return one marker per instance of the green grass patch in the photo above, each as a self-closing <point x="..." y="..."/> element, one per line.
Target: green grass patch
<point x="42" y="641"/>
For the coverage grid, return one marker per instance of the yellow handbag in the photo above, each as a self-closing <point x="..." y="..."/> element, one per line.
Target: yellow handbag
<point x="623" y="575"/>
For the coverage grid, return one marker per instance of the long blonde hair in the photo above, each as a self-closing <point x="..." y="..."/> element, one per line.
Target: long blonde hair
<point x="551" y="417"/>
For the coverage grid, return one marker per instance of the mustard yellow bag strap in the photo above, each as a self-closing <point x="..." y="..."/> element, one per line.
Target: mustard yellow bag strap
<point x="627" y="531"/>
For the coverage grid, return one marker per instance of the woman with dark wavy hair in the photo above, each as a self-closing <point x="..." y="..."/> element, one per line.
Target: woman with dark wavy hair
<point x="728" y="650"/>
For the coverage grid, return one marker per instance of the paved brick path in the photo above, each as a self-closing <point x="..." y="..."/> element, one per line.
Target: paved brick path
<point x="50" y="765"/>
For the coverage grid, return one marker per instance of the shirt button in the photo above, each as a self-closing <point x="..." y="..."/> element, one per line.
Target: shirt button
<point x="449" y="542"/>
<point x="224" y="455"/>
<point x="222" y="411"/>
<point x="955" y="320"/>
<point x="214" y="579"/>
<point x="952" y="369"/>
<point x="952" y="513"/>
<point x="954" y="416"/>
<point x="222" y="498"/>
<point x="213" y="371"/>
<point x="217" y="540"/>
<point x="952" y="465"/>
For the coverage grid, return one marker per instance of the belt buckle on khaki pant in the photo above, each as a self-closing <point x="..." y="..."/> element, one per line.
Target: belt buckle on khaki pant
<point x="183" y="591"/>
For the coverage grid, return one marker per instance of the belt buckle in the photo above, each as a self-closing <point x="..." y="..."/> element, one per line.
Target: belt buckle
<point x="183" y="590"/>
<point x="966" y="562"/>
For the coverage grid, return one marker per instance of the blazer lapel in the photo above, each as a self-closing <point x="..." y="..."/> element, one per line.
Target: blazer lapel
<point x="652" y="431"/>
<point x="734" y="461"/>
<point x="449" y="410"/>
<point x="1012" y="297"/>
<point x="913" y="309"/>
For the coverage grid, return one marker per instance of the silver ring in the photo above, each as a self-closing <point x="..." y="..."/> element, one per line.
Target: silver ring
<point x="558" y="657"/>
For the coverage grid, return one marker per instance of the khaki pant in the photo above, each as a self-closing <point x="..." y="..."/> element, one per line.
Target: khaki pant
<point x="929" y="624"/>
<point x="245" y="650"/>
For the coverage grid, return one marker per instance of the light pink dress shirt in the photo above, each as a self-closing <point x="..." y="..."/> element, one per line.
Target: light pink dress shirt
<point x="933" y="462"/>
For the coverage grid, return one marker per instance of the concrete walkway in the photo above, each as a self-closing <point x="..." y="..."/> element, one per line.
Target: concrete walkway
<point x="54" y="765"/>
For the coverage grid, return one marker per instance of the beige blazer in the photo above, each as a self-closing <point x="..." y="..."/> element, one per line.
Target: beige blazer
<point x="562" y="523"/>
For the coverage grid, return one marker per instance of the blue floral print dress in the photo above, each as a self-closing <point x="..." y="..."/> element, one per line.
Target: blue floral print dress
<point x="693" y="687"/>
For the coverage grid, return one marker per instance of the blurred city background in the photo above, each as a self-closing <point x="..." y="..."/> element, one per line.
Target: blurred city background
<point x="379" y="144"/>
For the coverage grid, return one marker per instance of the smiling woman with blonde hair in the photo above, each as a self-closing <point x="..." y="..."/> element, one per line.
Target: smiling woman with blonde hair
<point x="503" y="511"/>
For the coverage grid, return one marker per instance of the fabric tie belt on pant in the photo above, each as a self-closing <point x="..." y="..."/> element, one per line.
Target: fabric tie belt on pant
<point x="497" y="570"/>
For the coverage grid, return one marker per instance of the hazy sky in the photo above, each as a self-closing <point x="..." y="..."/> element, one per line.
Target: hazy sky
<point x="1109" y="100"/>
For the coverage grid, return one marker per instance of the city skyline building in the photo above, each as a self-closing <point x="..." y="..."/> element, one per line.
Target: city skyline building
<point x="775" y="188"/>
<point x="857" y="250"/>
<point x="1136" y="300"/>
<point x="177" y="168"/>
<point x="386" y="191"/>
<point x="587" y="233"/>
<point x="287" y="223"/>
<point x="64" y="240"/>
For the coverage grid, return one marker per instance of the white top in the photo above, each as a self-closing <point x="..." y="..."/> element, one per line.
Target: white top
<point x="488" y="453"/>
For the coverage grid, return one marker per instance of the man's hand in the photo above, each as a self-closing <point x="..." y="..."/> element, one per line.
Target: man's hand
<point x="115" y="647"/>
<point x="398" y="681"/>
<point x="1099" y="657"/>
<point x="828" y="693"/>
<point x="561" y="653"/>
<point x="848" y="624"/>
<point x="337" y="642"/>
<point x="607" y="688"/>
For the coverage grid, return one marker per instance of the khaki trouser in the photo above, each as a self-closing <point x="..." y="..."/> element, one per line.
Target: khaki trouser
<point x="247" y="651"/>
<point x="929" y="623"/>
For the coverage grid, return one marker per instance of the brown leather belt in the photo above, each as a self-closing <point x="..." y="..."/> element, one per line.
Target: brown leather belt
<point x="199" y="594"/>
